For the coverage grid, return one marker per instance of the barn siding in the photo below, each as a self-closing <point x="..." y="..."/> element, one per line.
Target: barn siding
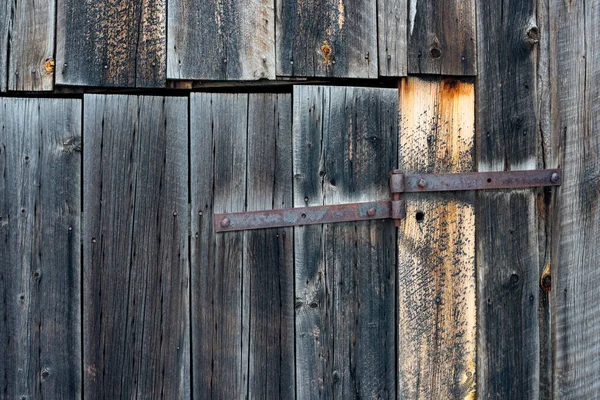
<point x="294" y="312"/>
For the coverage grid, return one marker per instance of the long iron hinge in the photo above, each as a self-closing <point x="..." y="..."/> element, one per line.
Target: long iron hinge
<point x="386" y="209"/>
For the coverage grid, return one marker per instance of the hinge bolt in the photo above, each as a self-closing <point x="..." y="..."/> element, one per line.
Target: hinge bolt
<point x="371" y="212"/>
<point x="225" y="222"/>
<point x="555" y="177"/>
<point x="422" y="183"/>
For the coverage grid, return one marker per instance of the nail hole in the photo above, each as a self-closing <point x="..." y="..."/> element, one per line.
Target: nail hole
<point x="420" y="216"/>
<point x="303" y="216"/>
<point x="489" y="180"/>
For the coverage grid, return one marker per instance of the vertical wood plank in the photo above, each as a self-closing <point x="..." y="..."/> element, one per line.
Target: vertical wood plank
<point x="118" y="44"/>
<point x="4" y="23"/>
<point x="436" y="245"/>
<point x="575" y="129"/>
<point x="221" y="40"/>
<point x="220" y="335"/>
<point x="269" y="254"/>
<point x="441" y="37"/>
<point x="31" y="46"/>
<point x="345" y="144"/>
<point x="40" y="281"/>
<point x="507" y="245"/>
<point x="332" y="38"/>
<point x="135" y="242"/>
<point x="391" y="36"/>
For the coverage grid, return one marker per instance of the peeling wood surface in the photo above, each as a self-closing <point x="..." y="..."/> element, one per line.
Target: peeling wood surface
<point x="345" y="144"/>
<point x="135" y="244"/>
<point x="40" y="314"/>
<point x="31" y="45"/>
<point x="113" y="44"/>
<point x="441" y="37"/>
<point x="436" y="245"/>
<point x="508" y="258"/>
<point x="391" y="36"/>
<point x="575" y="128"/>
<point x="243" y="332"/>
<point x="221" y="40"/>
<point x="327" y="38"/>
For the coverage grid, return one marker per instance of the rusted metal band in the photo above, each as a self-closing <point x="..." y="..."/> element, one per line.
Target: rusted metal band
<point x="306" y="216"/>
<point x="414" y="183"/>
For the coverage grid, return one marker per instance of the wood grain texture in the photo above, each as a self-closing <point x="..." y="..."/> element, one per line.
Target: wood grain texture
<point x="4" y="24"/>
<point x="31" y="45"/>
<point x="40" y="281"/>
<point x="345" y="144"/>
<point x="508" y="260"/>
<point x="112" y="43"/>
<point x="441" y="37"/>
<point x="331" y="38"/>
<point x="221" y="40"/>
<point x="392" y="37"/>
<point x="243" y="332"/>
<point x="436" y="245"/>
<point x="575" y="128"/>
<point x="135" y="243"/>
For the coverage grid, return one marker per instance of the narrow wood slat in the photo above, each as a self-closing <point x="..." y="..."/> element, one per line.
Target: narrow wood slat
<point x="217" y="40"/>
<point x="4" y="24"/>
<point x="31" y="44"/>
<point x="436" y="245"/>
<point x="508" y="259"/>
<point x="391" y="36"/>
<point x="135" y="243"/>
<point x="40" y="313"/>
<point x="441" y="37"/>
<point x="345" y="145"/>
<point x="575" y="273"/>
<point x="114" y="44"/>
<point x="332" y="38"/>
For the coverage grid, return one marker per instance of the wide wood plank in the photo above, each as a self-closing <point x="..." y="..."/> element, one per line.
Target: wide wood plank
<point x="40" y="281"/>
<point x="115" y="44"/>
<point x="391" y="37"/>
<point x="575" y="129"/>
<point x="345" y="145"/>
<point x="441" y="37"/>
<point x="332" y="38"/>
<point x="31" y="44"/>
<point x="135" y="243"/>
<point x="436" y="245"/>
<point x="217" y="40"/>
<point x="508" y="260"/>
<point x="243" y="326"/>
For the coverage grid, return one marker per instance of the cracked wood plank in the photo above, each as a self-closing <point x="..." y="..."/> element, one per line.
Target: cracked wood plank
<point x="40" y="257"/>
<point x="135" y="243"/>
<point x="436" y="244"/>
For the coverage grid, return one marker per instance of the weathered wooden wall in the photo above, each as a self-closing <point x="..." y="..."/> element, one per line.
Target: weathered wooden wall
<point x="125" y="125"/>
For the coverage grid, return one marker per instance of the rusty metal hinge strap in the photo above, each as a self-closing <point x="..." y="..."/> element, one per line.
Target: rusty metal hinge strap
<point x="386" y="209"/>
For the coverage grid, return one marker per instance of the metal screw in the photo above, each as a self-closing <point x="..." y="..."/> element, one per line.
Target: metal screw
<point x="371" y="212"/>
<point x="225" y="222"/>
<point x="555" y="177"/>
<point x="422" y="183"/>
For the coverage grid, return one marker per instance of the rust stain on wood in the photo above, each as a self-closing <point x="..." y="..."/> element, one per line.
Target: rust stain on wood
<point x="437" y="304"/>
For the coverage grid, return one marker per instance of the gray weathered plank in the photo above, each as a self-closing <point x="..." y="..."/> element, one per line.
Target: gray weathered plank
<point x="332" y="38"/>
<point x="31" y="45"/>
<point x="441" y="37"/>
<point x="243" y="332"/>
<point x="40" y="208"/>
<point x="118" y="44"/>
<point x="508" y="261"/>
<point x="436" y="245"/>
<point x="4" y="23"/>
<point x="345" y="144"/>
<point x="218" y="40"/>
<point x="135" y="243"/>
<point x="391" y="36"/>
<point x="575" y="273"/>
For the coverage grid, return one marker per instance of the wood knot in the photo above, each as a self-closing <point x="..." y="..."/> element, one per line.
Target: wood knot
<point x="533" y="35"/>
<point x="72" y="144"/>
<point x="326" y="50"/>
<point x="546" y="279"/>
<point x="49" y="65"/>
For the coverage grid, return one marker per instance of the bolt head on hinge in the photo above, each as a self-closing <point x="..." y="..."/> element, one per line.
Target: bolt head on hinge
<point x="225" y="222"/>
